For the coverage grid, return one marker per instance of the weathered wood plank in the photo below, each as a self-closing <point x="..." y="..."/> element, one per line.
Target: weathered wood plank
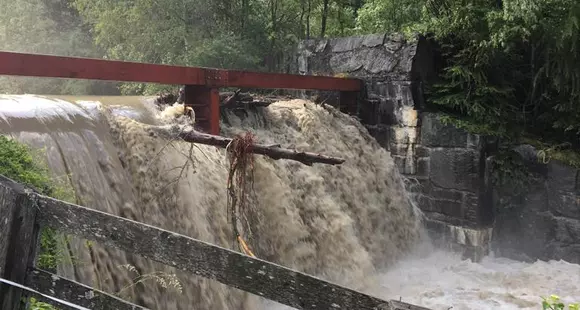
<point x="399" y="305"/>
<point x="74" y="292"/>
<point x="58" y="303"/>
<point x="252" y="275"/>
<point x="7" y="203"/>
<point x="18" y="240"/>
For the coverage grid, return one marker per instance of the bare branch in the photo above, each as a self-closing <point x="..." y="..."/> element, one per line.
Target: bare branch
<point x="274" y="152"/>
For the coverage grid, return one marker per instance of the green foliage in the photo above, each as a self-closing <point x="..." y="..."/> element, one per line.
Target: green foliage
<point x="35" y="304"/>
<point x="567" y="156"/>
<point x="549" y="151"/>
<point x="188" y="32"/>
<point x="471" y="126"/>
<point x="24" y="165"/>
<point x="553" y="303"/>
<point x="511" y="178"/>
<point x="225" y="34"/>
<point x="511" y="67"/>
<point x="18" y="163"/>
<point x="51" y="254"/>
<point x="389" y="16"/>
<point x="47" y="27"/>
<point x="239" y="34"/>
<point x="27" y="166"/>
<point x="223" y="51"/>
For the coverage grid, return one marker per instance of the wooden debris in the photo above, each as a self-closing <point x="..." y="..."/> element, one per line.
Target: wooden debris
<point x="239" y="100"/>
<point x="275" y="152"/>
<point x="229" y="100"/>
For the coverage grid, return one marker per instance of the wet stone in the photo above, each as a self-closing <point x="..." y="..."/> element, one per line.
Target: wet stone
<point x="346" y="44"/>
<point x="455" y="169"/>
<point x="436" y="134"/>
<point x="377" y="61"/>
<point x="346" y="62"/>
<point x="373" y="40"/>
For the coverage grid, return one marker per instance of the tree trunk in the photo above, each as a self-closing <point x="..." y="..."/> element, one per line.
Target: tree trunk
<point x="324" y="18"/>
<point x="187" y="134"/>
<point x="302" y="14"/>
<point x="340" y="20"/>
<point x="308" y="19"/>
<point x="274" y="33"/>
<point x="244" y="16"/>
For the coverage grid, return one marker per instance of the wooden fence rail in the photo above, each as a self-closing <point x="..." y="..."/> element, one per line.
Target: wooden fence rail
<point x="23" y="212"/>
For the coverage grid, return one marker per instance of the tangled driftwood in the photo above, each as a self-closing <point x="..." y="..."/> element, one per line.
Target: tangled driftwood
<point x="239" y="187"/>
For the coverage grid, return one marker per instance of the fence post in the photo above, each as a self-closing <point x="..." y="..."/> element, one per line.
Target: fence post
<point x="18" y="239"/>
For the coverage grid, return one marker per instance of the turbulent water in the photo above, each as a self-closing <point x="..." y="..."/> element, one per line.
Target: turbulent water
<point x="442" y="280"/>
<point x="346" y="223"/>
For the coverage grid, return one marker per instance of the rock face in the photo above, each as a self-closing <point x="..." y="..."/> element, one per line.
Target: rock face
<point x="452" y="186"/>
<point x="449" y="169"/>
<point x="546" y="225"/>
<point x="451" y="172"/>
<point x="394" y="71"/>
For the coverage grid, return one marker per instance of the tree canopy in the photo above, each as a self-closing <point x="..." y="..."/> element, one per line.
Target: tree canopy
<point x="511" y="66"/>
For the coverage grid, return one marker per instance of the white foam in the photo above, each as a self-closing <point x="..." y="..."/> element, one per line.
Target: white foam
<point x="442" y="280"/>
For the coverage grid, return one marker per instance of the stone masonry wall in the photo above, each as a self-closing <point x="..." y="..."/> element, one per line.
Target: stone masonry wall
<point x="547" y="223"/>
<point x="452" y="186"/>
<point x="448" y="168"/>
<point x="451" y="173"/>
<point x="444" y="162"/>
<point x="390" y="67"/>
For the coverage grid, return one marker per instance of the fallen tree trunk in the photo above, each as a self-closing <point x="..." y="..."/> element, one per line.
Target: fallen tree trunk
<point x="273" y="151"/>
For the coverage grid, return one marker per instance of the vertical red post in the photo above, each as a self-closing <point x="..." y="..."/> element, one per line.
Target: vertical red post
<point x="205" y="102"/>
<point x="214" y="110"/>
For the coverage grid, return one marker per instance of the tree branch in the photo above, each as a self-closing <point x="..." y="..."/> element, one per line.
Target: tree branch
<point x="188" y="134"/>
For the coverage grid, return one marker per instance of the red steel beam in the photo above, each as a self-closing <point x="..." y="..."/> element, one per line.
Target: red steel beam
<point x="20" y="64"/>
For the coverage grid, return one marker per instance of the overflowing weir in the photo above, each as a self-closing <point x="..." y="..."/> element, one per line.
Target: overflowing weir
<point x="352" y="224"/>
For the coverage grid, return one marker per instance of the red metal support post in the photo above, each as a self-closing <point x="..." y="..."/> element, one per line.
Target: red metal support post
<point x="205" y="102"/>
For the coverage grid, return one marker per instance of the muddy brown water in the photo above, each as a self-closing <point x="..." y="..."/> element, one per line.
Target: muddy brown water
<point x="353" y="224"/>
